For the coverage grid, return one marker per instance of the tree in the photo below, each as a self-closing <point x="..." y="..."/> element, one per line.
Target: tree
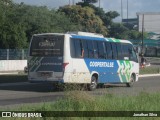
<point x="18" y="22"/>
<point x="106" y="17"/>
<point x="12" y="33"/>
<point x="85" y="18"/>
<point x="41" y="20"/>
<point x="117" y="30"/>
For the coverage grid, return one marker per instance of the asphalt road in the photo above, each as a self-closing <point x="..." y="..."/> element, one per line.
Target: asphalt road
<point x="20" y="93"/>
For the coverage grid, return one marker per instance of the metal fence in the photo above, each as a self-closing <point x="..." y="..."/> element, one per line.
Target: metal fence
<point x="21" y="54"/>
<point x="152" y="52"/>
<point x="148" y="51"/>
<point x="13" y="54"/>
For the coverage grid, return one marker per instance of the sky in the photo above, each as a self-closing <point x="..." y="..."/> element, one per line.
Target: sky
<point x="134" y="6"/>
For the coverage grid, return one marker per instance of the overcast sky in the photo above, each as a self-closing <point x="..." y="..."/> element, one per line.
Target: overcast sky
<point x="134" y="6"/>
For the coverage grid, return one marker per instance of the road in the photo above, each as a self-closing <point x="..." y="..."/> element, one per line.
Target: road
<point x="20" y="93"/>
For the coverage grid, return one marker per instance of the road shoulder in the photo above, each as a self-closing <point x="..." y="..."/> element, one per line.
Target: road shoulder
<point x="149" y="75"/>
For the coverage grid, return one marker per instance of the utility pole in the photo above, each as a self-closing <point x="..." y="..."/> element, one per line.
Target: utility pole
<point x="127" y="12"/>
<point x="142" y="32"/>
<point x="99" y="3"/>
<point x="122" y="9"/>
<point x="69" y="2"/>
<point x="73" y="2"/>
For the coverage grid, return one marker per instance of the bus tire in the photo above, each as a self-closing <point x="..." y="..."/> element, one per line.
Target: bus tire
<point x="93" y="85"/>
<point x="100" y="85"/>
<point x="132" y="80"/>
<point x="58" y="86"/>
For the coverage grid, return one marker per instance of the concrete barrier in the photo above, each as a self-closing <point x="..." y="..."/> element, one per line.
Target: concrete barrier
<point x="12" y="65"/>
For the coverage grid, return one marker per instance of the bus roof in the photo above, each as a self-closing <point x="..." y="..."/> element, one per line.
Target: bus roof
<point x="49" y="34"/>
<point x="117" y="40"/>
<point x="87" y="35"/>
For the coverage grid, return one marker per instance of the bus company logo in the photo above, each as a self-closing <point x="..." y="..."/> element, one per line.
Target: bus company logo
<point x="101" y="64"/>
<point x="47" y="43"/>
<point x="6" y="114"/>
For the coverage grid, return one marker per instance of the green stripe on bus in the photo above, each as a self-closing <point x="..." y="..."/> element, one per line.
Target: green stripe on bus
<point x="35" y="65"/>
<point x="31" y="61"/>
<point x="110" y="40"/>
<point x="117" y="40"/>
<point x="121" y="69"/>
<point x="128" y="71"/>
<point x="113" y="40"/>
<point x="38" y="64"/>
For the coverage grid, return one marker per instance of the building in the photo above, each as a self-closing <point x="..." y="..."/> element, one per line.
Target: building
<point x="131" y="21"/>
<point x="151" y="21"/>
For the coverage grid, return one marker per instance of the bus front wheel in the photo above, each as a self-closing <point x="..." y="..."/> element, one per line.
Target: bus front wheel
<point x="132" y="80"/>
<point x="93" y="85"/>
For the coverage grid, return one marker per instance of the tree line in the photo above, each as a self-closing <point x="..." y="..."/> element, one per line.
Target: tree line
<point x="18" y="22"/>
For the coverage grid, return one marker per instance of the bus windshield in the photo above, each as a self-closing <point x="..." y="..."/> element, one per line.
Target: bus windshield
<point x="47" y="45"/>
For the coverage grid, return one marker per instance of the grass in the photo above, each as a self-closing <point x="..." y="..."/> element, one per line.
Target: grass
<point x="149" y="70"/>
<point x="82" y="101"/>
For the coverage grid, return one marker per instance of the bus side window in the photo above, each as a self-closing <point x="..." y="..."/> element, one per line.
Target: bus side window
<point x="114" y="49"/>
<point x="119" y="51"/>
<point x="101" y="53"/>
<point x="132" y="54"/>
<point x="85" y="48"/>
<point x="72" y="48"/>
<point x="108" y="50"/>
<point x="95" y="44"/>
<point x="125" y="52"/>
<point x="90" y="49"/>
<point x="78" y="48"/>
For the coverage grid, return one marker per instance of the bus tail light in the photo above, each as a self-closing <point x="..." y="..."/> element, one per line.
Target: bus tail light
<point x="64" y="65"/>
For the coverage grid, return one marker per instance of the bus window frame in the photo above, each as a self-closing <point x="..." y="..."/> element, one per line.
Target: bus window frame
<point x="106" y="49"/>
<point x="105" y="44"/>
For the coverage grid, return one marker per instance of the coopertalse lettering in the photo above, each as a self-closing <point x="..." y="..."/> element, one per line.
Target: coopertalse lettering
<point x="101" y="64"/>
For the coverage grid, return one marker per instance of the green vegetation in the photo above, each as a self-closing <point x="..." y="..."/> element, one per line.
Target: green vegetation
<point x="82" y="101"/>
<point x="149" y="70"/>
<point x="85" y="17"/>
<point x="18" y="22"/>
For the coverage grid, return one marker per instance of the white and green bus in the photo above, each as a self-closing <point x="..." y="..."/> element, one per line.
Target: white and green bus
<point x="82" y="58"/>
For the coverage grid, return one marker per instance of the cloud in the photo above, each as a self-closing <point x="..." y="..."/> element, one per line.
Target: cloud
<point x="134" y="6"/>
<point x="49" y="3"/>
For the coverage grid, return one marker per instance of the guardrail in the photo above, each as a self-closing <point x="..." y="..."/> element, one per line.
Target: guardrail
<point x="148" y="51"/>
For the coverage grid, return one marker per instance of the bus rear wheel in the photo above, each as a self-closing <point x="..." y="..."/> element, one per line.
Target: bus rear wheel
<point x="132" y="80"/>
<point x="93" y="85"/>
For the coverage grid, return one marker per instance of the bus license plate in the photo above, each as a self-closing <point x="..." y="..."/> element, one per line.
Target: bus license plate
<point x="46" y="74"/>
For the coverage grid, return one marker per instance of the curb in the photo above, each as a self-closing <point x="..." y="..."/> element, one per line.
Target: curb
<point x="11" y="73"/>
<point x="149" y="75"/>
